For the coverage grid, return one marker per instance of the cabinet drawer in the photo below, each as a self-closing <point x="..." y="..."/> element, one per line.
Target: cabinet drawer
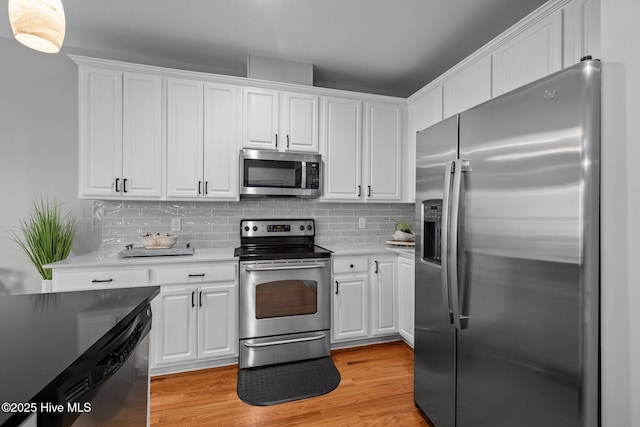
<point x="195" y="274"/>
<point x="350" y="265"/>
<point x="100" y="279"/>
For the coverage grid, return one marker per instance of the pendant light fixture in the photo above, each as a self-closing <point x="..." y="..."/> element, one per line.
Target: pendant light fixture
<point x="38" y="24"/>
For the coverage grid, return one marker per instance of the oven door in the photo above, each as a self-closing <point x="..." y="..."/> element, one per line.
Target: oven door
<point x="284" y="297"/>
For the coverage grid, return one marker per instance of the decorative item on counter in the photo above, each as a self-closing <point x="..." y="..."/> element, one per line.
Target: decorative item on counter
<point x="47" y="236"/>
<point x="158" y="241"/>
<point x="403" y="231"/>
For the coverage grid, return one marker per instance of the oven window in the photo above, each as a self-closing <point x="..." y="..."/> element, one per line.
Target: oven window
<point x="272" y="173"/>
<point x="286" y="298"/>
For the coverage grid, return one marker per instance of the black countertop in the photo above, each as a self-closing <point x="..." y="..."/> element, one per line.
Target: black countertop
<point x="41" y="335"/>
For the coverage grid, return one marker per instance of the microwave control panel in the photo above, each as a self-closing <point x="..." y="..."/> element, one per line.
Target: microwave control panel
<point x="313" y="175"/>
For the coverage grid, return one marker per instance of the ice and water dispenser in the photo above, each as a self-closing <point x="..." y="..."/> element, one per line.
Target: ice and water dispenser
<point x="431" y="226"/>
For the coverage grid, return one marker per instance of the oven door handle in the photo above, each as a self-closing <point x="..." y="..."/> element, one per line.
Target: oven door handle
<point x="286" y="267"/>
<point x="291" y="341"/>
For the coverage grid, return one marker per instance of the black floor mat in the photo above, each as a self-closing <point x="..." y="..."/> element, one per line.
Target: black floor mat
<point x="270" y="385"/>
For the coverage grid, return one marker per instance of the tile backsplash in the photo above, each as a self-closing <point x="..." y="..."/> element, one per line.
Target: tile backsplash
<point x="215" y="224"/>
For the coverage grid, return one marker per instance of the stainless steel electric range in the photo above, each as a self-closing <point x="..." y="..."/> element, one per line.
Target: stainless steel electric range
<point x="285" y="291"/>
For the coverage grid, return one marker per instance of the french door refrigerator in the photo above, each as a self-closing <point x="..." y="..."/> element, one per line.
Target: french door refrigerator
<point x="507" y="259"/>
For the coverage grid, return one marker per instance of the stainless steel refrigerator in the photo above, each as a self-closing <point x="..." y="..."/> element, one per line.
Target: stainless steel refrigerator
<point x="507" y="259"/>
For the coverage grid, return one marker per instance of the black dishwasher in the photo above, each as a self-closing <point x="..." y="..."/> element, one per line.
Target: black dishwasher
<point x="109" y="387"/>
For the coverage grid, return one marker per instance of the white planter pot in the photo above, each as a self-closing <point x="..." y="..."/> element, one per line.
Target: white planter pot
<point x="401" y="236"/>
<point x="46" y="286"/>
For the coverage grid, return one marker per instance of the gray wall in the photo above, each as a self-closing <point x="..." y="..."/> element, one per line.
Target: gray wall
<point x="39" y="150"/>
<point x="620" y="247"/>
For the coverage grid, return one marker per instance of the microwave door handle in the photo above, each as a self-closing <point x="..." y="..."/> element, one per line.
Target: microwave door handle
<point x="303" y="181"/>
<point x="444" y="239"/>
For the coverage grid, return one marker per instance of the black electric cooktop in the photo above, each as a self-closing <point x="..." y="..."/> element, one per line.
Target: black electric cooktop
<point x="260" y="253"/>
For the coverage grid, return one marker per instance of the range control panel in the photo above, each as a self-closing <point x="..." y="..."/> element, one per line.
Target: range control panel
<point x="277" y="227"/>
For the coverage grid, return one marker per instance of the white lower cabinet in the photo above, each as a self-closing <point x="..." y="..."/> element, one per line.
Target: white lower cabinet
<point x="350" y="307"/>
<point x="365" y="297"/>
<point x="406" y="298"/>
<point x="195" y="317"/>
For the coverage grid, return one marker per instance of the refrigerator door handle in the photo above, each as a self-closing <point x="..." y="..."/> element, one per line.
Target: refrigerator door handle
<point x="460" y="165"/>
<point x="444" y="238"/>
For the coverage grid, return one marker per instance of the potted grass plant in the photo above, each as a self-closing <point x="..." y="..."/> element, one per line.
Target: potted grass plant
<point x="45" y="237"/>
<point x="403" y="231"/>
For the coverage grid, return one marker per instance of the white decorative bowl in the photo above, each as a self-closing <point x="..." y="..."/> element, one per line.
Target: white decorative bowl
<point x="158" y="241"/>
<point x="401" y="236"/>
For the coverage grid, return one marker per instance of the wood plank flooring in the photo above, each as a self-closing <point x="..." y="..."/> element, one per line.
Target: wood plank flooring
<point x="376" y="389"/>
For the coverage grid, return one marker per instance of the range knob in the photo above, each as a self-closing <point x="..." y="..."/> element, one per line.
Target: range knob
<point x="246" y="228"/>
<point x="255" y="228"/>
<point x="309" y="227"/>
<point x="301" y="227"/>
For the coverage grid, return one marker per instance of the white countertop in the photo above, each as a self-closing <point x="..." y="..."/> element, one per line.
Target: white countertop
<point x="104" y="259"/>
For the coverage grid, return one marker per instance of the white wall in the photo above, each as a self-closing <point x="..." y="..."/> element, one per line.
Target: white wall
<point x="38" y="150"/>
<point x="620" y="249"/>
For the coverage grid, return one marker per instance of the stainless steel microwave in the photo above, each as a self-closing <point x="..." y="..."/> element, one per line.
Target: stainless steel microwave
<point x="274" y="173"/>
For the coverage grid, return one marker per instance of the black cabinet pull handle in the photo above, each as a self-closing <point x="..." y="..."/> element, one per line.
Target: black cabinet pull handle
<point x="337" y="287"/>
<point x="276" y="141"/>
<point x="287" y="142"/>
<point x="197" y="275"/>
<point x="376" y="262"/>
<point x="351" y="266"/>
<point x="193" y="302"/>
<point x="124" y="185"/>
<point x="200" y="297"/>
<point x="369" y="187"/>
<point x="206" y="187"/>
<point x="199" y="187"/>
<point x="359" y="190"/>
<point x="102" y="280"/>
<point x="117" y="182"/>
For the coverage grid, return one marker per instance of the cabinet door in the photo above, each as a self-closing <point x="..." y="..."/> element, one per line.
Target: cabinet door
<point x="260" y="119"/>
<point x="300" y="122"/>
<point x="532" y="54"/>
<point x="383" y="136"/>
<point x="350" y="314"/>
<point x="175" y="322"/>
<point x="342" y="137"/>
<point x="184" y="139"/>
<point x="142" y="137"/>
<point x="218" y="321"/>
<point x="221" y="141"/>
<point x="100" y="94"/>
<point x="385" y="296"/>
<point x="406" y="289"/>
<point x="468" y="88"/>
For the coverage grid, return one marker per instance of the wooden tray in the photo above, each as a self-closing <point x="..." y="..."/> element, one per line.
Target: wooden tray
<point x="400" y="243"/>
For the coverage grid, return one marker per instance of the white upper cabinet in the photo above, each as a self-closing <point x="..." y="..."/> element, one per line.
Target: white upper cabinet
<point x="357" y="168"/>
<point x="383" y="148"/>
<point x="283" y="121"/>
<point x="534" y="53"/>
<point x="467" y="88"/>
<point x="342" y="141"/>
<point x="202" y="153"/>
<point x="300" y="122"/>
<point x="261" y="116"/>
<point x="221" y="130"/>
<point x="185" y="139"/>
<point x="426" y="110"/>
<point x="121" y="134"/>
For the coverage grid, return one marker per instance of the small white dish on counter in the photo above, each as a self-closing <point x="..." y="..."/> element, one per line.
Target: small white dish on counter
<point x="158" y="241"/>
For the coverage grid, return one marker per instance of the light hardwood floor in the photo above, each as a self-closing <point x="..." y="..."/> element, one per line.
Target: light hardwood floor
<point x="376" y="389"/>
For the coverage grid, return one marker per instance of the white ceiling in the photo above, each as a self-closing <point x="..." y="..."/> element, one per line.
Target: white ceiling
<point x="391" y="47"/>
